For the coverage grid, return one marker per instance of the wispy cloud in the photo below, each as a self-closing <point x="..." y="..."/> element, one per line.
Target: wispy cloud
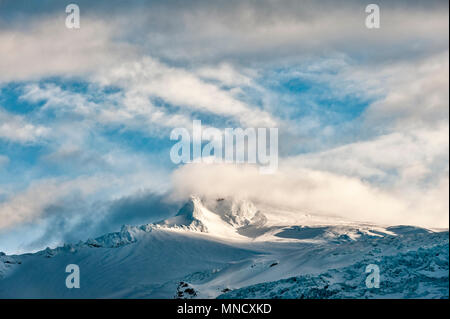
<point x="16" y="128"/>
<point x="28" y="205"/>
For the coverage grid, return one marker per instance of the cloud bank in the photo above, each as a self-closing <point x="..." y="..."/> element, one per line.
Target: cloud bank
<point x="317" y="193"/>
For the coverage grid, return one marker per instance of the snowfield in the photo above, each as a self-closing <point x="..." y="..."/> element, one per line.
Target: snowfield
<point x="231" y="249"/>
<point x="421" y="273"/>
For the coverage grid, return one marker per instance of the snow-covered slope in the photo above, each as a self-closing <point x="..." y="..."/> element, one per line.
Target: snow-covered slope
<point x="421" y="273"/>
<point x="232" y="248"/>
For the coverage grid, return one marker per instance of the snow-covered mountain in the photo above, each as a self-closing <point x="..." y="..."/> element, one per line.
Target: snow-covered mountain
<point x="231" y="248"/>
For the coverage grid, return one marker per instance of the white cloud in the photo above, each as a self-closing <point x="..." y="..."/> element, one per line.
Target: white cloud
<point x="415" y="94"/>
<point x="270" y="31"/>
<point x="150" y="78"/>
<point x="140" y="82"/>
<point x="316" y="192"/>
<point x="15" y="128"/>
<point x="400" y="156"/>
<point x="130" y="108"/>
<point x="31" y="203"/>
<point x="45" y="47"/>
<point x="130" y="176"/>
<point x="58" y="99"/>
<point x="226" y="74"/>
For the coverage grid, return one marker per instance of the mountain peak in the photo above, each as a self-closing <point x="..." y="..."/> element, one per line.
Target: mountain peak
<point x="217" y="216"/>
<point x="189" y="216"/>
<point x="192" y="208"/>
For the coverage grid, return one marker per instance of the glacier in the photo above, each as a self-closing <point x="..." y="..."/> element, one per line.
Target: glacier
<point x="233" y="248"/>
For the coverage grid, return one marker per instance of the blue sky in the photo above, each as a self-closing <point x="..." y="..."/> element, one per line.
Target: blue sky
<point x="86" y="114"/>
